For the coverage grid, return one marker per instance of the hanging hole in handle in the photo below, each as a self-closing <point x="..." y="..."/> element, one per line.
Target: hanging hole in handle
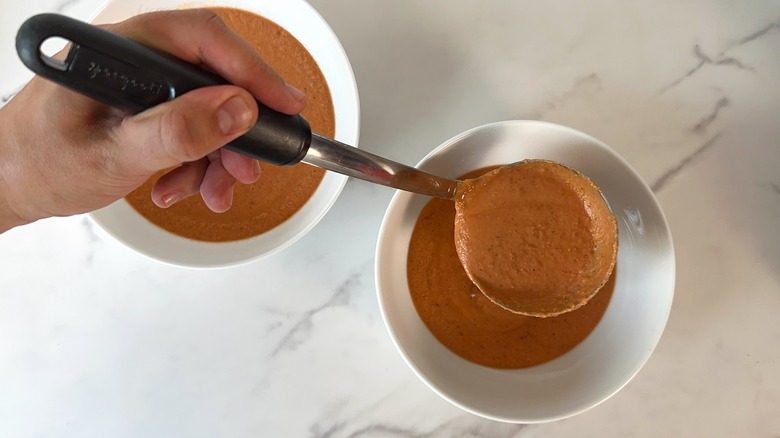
<point x="52" y="53"/>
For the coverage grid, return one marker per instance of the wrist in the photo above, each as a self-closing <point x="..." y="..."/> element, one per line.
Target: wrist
<point x="9" y="217"/>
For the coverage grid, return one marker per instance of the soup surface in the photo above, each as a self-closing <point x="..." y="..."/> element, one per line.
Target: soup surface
<point x="281" y="190"/>
<point x="467" y="322"/>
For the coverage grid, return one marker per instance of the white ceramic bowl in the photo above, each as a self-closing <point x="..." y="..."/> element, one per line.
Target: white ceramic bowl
<point x="621" y="343"/>
<point x="302" y="21"/>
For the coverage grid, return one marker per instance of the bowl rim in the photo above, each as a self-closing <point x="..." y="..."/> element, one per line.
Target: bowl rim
<point x="383" y="235"/>
<point x="352" y="101"/>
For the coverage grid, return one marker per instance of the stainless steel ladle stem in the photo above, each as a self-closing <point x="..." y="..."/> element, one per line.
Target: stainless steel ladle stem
<point x="338" y="157"/>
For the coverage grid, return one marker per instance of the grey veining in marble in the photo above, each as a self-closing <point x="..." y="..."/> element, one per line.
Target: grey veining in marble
<point x="98" y="341"/>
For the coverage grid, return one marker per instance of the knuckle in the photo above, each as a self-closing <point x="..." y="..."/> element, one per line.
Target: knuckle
<point x="177" y="138"/>
<point x="264" y="67"/>
<point x="211" y="19"/>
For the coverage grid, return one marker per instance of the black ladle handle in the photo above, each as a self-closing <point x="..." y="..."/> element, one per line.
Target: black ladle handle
<point x="130" y="76"/>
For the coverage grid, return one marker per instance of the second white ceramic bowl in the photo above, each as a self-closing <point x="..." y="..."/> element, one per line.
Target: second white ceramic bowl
<point x="621" y="343"/>
<point x="131" y="229"/>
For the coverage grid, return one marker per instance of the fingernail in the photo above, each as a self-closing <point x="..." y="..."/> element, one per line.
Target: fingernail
<point x="295" y="93"/>
<point x="234" y="116"/>
<point x="171" y="199"/>
<point x="257" y="169"/>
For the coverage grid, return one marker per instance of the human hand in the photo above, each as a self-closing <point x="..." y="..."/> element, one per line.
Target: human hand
<point x="63" y="154"/>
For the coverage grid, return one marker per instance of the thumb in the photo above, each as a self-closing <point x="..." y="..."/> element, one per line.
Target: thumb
<point x="186" y="128"/>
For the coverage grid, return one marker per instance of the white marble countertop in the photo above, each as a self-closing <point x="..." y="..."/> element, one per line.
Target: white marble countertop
<point x="96" y="341"/>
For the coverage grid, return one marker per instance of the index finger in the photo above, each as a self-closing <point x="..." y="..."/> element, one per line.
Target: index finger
<point x="199" y="36"/>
